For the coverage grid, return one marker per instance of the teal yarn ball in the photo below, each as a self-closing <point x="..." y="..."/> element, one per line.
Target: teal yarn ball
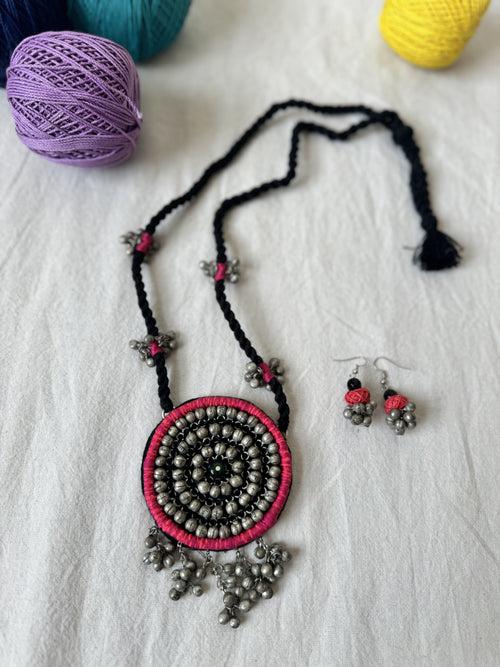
<point x="143" y="27"/>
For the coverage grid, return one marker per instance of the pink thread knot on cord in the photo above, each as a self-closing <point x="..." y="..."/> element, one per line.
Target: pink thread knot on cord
<point x="220" y="274"/>
<point x="145" y="243"/>
<point x="154" y="348"/>
<point x="267" y="374"/>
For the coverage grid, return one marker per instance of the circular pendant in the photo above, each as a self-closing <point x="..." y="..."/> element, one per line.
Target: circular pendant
<point x="216" y="473"/>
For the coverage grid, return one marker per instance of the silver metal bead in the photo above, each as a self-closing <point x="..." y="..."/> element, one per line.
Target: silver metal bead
<point x="395" y="414"/>
<point x="410" y="407"/>
<point x="170" y="509"/>
<point x="278" y="571"/>
<point x="163" y="450"/>
<point x="197" y="460"/>
<point x="160" y="461"/>
<point x="244" y="499"/>
<point x="237" y="466"/>
<point x="399" y="424"/>
<point x="267" y="594"/>
<point x="246" y="441"/>
<point x="411" y="425"/>
<point x="272" y="484"/>
<point x="214" y="491"/>
<point x="221" y="410"/>
<point x="180" y="486"/>
<point x="260" y="429"/>
<point x="247" y="523"/>
<point x="162" y="499"/>
<point x="181" y="423"/>
<point x="275" y="471"/>
<point x="408" y="417"/>
<point x="231" y="507"/>
<point x="255" y="476"/>
<point x="367" y="420"/>
<point x="231" y="413"/>
<point x="259" y="552"/>
<point x="174" y="594"/>
<point x="217" y="512"/>
<point x="200" y="413"/>
<point x="359" y="408"/>
<point x="226" y="489"/>
<point x="160" y="473"/>
<point x="211" y="411"/>
<point x="213" y="533"/>
<point x="190" y="417"/>
<point x="357" y="419"/>
<point x="207" y="451"/>
<point x="252" y="489"/>
<point x="202" y="432"/>
<point x="245" y="606"/>
<point x="255" y="464"/>
<point x="220" y="448"/>
<point x="236" y="528"/>
<point x="236" y="481"/>
<point x="201" y="531"/>
<point x="267" y="438"/>
<point x="198" y="474"/>
<point x="185" y="497"/>
<point x="227" y="431"/>
<point x="263" y="505"/>
<point x="178" y="473"/>
<point x="237" y="435"/>
<point x="167" y="440"/>
<point x="191" y="438"/>
<point x="253" y="451"/>
<point x="224" y="532"/>
<point x="179" y="461"/>
<point x="168" y="560"/>
<point x="224" y="617"/>
<point x="270" y="496"/>
<point x="348" y="413"/>
<point x="191" y="525"/>
<point x="180" y="516"/>
<point x="231" y="453"/>
<point x="205" y="511"/>
<point x="173" y="431"/>
<point x="180" y="585"/>
<point x="160" y="486"/>
<point x="204" y="487"/>
<point x="194" y="505"/>
<point x="257" y="515"/>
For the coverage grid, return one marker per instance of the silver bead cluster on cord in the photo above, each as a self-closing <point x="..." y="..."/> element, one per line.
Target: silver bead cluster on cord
<point x="132" y="238"/>
<point x="254" y="375"/>
<point x="400" y="420"/>
<point x="232" y="274"/>
<point x="242" y="582"/>
<point x="167" y="342"/>
<point x="360" y="414"/>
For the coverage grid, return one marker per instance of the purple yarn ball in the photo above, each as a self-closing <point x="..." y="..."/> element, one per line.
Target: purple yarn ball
<point x="75" y="98"/>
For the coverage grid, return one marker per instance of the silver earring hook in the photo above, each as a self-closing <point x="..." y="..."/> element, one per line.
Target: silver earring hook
<point x="383" y="372"/>
<point x="404" y="368"/>
<point x="357" y="366"/>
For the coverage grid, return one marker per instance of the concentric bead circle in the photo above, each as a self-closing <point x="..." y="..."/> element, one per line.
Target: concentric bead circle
<point x="216" y="473"/>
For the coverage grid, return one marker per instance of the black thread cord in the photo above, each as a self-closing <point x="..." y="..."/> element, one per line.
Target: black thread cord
<point x="437" y="250"/>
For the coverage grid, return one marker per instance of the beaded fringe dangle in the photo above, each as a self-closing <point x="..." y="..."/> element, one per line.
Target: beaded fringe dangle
<point x="243" y="581"/>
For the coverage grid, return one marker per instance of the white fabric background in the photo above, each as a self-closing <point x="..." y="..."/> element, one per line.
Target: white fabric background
<point x="396" y="541"/>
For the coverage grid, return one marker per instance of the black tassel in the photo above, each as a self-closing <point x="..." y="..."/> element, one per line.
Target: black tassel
<point x="437" y="251"/>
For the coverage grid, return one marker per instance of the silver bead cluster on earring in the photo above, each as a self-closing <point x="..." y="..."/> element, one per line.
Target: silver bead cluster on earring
<point x="400" y="412"/>
<point x="254" y="375"/>
<point x="232" y="274"/>
<point x="359" y="408"/>
<point x="242" y="582"/>
<point x="132" y="238"/>
<point x="165" y="341"/>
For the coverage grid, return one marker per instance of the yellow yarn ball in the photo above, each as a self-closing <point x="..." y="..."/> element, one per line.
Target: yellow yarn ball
<point x="430" y="33"/>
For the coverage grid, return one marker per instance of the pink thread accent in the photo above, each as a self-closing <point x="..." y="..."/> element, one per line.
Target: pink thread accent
<point x="166" y="524"/>
<point x="267" y="373"/>
<point x="154" y="348"/>
<point x="396" y="402"/>
<point x="145" y="243"/>
<point x="360" y="395"/>
<point x="220" y="274"/>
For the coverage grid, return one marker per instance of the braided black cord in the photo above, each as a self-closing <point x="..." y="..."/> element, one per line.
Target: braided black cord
<point x="402" y="135"/>
<point x="437" y="250"/>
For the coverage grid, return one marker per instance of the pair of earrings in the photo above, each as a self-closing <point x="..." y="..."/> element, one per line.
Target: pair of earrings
<point x="400" y="412"/>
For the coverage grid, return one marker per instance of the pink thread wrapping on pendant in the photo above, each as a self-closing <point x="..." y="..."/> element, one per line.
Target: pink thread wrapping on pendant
<point x="267" y="374"/>
<point x="154" y="348"/>
<point x="166" y="524"/>
<point x="396" y="402"/>
<point x="220" y="274"/>
<point x="145" y="243"/>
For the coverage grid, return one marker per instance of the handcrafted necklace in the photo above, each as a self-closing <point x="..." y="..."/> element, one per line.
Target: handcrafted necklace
<point x="216" y="470"/>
